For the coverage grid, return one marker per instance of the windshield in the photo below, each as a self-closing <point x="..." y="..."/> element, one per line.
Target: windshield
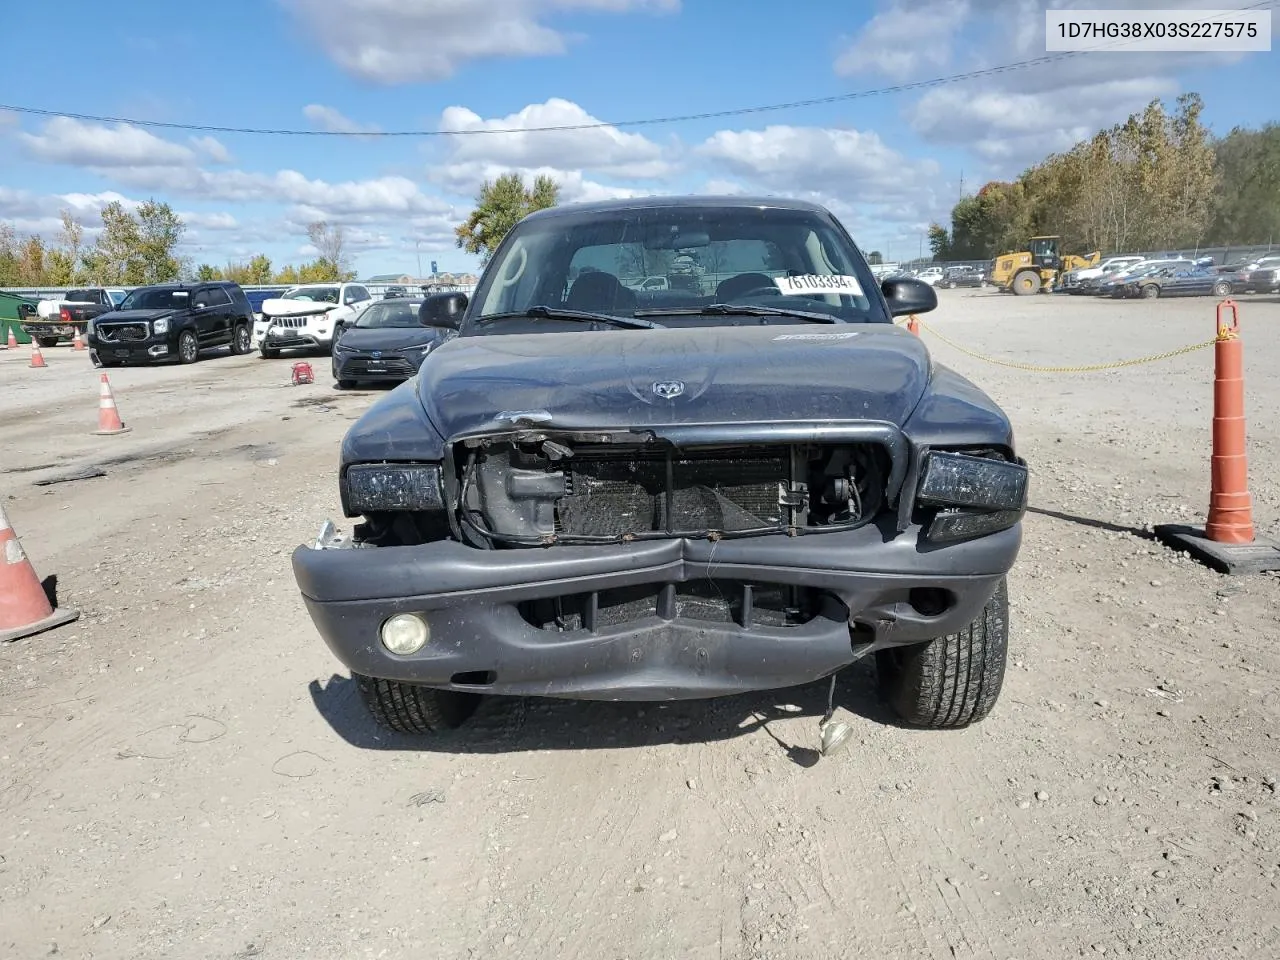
<point x="153" y="299"/>
<point x="669" y="262"/>
<point x="390" y="313"/>
<point x="316" y="294"/>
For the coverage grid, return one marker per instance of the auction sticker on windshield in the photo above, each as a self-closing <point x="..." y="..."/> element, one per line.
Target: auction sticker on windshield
<point x="812" y="283"/>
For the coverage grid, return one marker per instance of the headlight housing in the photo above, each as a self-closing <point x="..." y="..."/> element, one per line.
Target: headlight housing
<point x="160" y="326"/>
<point x="388" y="487"/>
<point x="970" y="496"/>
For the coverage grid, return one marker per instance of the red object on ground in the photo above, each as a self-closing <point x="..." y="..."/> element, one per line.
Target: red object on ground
<point x="109" y="421"/>
<point x="302" y="373"/>
<point x="24" y="607"/>
<point x="913" y="324"/>
<point x="1230" y="507"/>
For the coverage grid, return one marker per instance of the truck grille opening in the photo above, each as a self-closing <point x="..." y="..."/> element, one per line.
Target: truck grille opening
<point x="730" y="602"/>
<point x="130" y="331"/>
<point x="544" y="491"/>
<point x="619" y="494"/>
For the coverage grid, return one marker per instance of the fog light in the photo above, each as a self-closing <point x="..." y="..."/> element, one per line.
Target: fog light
<point x="405" y="633"/>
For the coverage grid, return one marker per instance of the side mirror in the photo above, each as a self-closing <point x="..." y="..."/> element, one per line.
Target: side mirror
<point x="443" y="310"/>
<point x="908" y="295"/>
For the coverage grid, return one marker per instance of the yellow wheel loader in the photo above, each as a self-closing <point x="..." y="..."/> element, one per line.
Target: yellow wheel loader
<point x="1036" y="270"/>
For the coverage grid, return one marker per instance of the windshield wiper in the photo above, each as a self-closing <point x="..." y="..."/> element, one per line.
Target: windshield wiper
<point x="738" y="310"/>
<point x="544" y="312"/>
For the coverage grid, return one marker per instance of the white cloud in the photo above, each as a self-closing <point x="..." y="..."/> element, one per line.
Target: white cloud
<point x="80" y="144"/>
<point x="906" y="40"/>
<point x="417" y="40"/>
<point x="209" y="221"/>
<point x="211" y="149"/>
<point x="854" y="164"/>
<point x="595" y="148"/>
<point x="333" y="120"/>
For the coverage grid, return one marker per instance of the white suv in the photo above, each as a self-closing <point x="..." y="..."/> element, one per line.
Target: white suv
<point x="308" y="317"/>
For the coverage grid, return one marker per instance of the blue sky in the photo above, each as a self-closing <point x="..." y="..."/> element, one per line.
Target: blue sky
<point x="886" y="165"/>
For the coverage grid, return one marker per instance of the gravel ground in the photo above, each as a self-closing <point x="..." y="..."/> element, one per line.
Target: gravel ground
<point x="184" y="774"/>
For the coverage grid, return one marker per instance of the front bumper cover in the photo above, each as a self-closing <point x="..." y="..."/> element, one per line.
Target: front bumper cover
<point x="470" y="600"/>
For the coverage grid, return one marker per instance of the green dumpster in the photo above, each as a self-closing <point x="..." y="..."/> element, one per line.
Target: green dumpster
<point x="10" y="318"/>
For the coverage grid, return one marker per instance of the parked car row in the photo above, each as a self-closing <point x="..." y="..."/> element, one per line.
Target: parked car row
<point x="1135" y="276"/>
<point x="370" y="340"/>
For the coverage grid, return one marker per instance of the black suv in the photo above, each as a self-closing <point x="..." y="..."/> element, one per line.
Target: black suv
<point x="172" y="321"/>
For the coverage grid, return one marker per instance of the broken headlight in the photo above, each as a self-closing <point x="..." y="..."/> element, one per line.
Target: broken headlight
<point x="973" y="495"/>
<point x="390" y="487"/>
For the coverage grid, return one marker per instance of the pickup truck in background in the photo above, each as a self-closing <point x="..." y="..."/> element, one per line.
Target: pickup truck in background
<point x="58" y="320"/>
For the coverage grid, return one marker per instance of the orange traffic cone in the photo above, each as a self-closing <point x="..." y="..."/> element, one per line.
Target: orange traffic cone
<point x="1227" y="543"/>
<point x="13" y="340"/>
<point x="913" y="324"/>
<point x="24" y="607"/>
<point x="37" y="358"/>
<point x="109" y="421"/>
<point x="76" y="342"/>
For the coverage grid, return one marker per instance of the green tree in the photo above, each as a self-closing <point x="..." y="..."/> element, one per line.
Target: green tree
<point x="207" y="271"/>
<point x="500" y="205"/>
<point x="8" y="255"/>
<point x="875" y="257"/>
<point x="939" y="242"/>
<point x="1248" y="202"/>
<point x="258" y="269"/>
<point x="159" y="232"/>
<point x="288" y="276"/>
<point x="111" y="260"/>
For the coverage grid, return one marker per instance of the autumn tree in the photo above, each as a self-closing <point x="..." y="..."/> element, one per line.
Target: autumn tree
<point x="206" y="272"/>
<point x="500" y="205"/>
<point x="62" y="261"/>
<point x="330" y="241"/>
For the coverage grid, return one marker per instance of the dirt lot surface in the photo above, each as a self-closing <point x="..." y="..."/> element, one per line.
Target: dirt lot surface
<point x="185" y="772"/>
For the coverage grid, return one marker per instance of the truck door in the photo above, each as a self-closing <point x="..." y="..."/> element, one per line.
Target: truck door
<point x="220" y="310"/>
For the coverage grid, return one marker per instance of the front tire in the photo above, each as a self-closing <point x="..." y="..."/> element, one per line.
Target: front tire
<point x="241" y="340"/>
<point x="405" y="708"/>
<point x="1150" y="292"/>
<point x="952" y="681"/>
<point x="1222" y="289"/>
<point x="267" y="353"/>
<point x="47" y="342"/>
<point x="1026" y="283"/>
<point x="188" y="347"/>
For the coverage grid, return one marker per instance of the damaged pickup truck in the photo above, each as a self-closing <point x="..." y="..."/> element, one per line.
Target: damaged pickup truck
<point x="602" y="492"/>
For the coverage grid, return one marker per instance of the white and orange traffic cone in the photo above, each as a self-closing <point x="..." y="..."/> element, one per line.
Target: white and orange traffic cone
<point x="109" y="421"/>
<point x="13" y="340"/>
<point x="24" y="607"/>
<point x="37" y="358"/>
<point x="77" y="342"/>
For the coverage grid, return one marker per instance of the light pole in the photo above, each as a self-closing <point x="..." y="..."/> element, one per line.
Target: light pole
<point x="417" y="245"/>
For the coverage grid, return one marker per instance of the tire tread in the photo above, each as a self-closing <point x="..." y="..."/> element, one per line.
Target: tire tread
<point x="954" y="680"/>
<point x="406" y="708"/>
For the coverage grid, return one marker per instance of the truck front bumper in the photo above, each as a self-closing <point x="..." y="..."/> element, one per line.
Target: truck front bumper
<point x="153" y="349"/>
<point x="474" y="603"/>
